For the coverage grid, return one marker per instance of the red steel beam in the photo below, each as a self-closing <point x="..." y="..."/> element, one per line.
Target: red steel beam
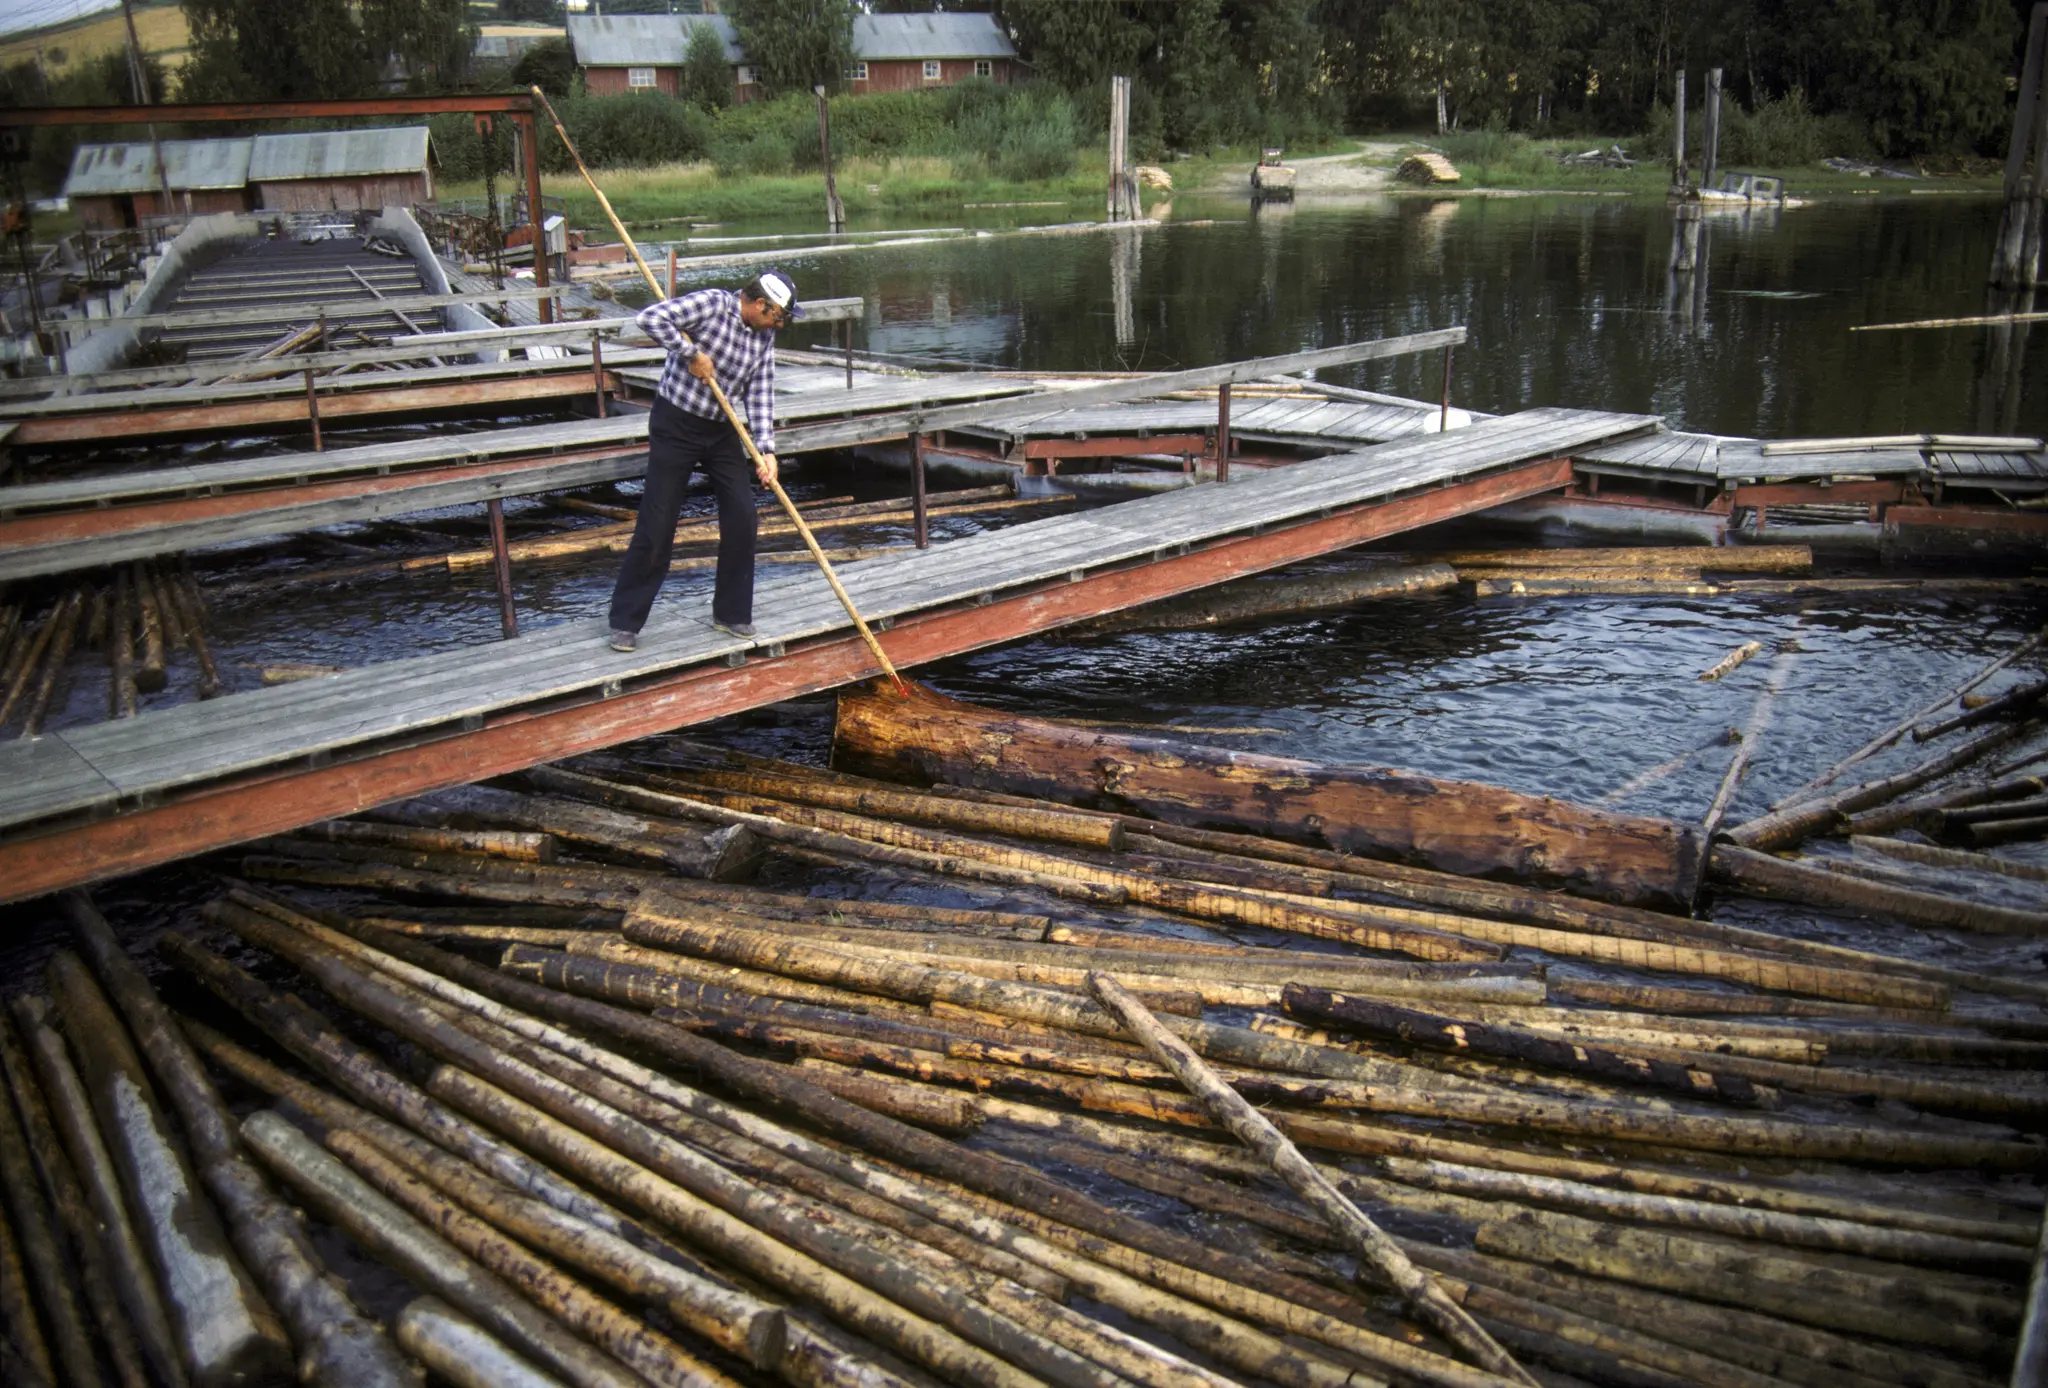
<point x="99" y="523"/>
<point x="287" y="798"/>
<point x="1813" y="494"/>
<point x="521" y="103"/>
<point x="1968" y="518"/>
<point x="1121" y="447"/>
<point x="288" y="410"/>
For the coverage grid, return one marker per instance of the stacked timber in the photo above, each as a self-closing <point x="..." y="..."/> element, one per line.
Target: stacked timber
<point x="674" y="1065"/>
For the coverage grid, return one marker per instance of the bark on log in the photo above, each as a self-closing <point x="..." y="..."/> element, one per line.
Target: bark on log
<point x="459" y="1350"/>
<point x="1723" y="558"/>
<point x="2026" y="696"/>
<point x="1415" y="1287"/>
<point x="226" y="1332"/>
<point x="2009" y="831"/>
<point x="23" y="1338"/>
<point x="1376" y="1018"/>
<point x="721" y="855"/>
<point x="1952" y="858"/>
<point x="501" y="843"/>
<point x="150" y="673"/>
<point x="1265" y="598"/>
<point x="42" y="1258"/>
<point x="185" y="591"/>
<point x="1764" y="875"/>
<point x="71" y="620"/>
<point x="127" y="1264"/>
<point x="121" y="648"/>
<point x="1455" y="825"/>
<point x="337" y="1344"/>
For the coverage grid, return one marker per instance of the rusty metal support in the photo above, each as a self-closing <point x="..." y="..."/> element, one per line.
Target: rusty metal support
<point x="921" y="522"/>
<point x="313" y="409"/>
<point x="501" y="566"/>
<point x="1223" y="432"/>
<point x="536" y="211"/>
<point x="597" y="370"/>
<point x="1443" y="419"/>
<point x="272" y="802"/>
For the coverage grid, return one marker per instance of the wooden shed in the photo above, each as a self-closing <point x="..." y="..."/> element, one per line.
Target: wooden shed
<point x="342" y="170"/>
<point x="115" y="186"/>
<point x="911" y="52"/>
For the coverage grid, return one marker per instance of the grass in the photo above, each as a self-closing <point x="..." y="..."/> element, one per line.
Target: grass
<point x="667" y="193"/>
<point x="1494" y="160"/>
<point x="161" y="28"/>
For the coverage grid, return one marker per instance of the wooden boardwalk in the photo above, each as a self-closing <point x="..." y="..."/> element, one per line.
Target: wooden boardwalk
<point x="99" y="801"/>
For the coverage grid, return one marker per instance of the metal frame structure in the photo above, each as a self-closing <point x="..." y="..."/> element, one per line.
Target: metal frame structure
<point x="520" y="107"/>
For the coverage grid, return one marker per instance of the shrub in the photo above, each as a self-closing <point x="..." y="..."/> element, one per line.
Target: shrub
<point x="1782" y="132"/>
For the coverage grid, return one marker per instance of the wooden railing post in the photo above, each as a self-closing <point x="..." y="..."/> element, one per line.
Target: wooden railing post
<point x="1223" y="432"/>
<point x="313" y="409"/>
<point x="597" y="370"/>
<point x="1443" y="419"/>
<point x="921" y="522"/>
<point x="501" y="564"/>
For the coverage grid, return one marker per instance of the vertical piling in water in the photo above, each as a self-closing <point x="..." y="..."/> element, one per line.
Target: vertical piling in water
<point x="1119" y="147"/>
<point x="1678" y="173"/>
<point x="501" y="568"/>
<point x="2015" y="257"/>
<point x="920" y="520"/>
<point x="835" y="210"/>
<point x="1710" y="151"/>
<point x="1223" y="432"/>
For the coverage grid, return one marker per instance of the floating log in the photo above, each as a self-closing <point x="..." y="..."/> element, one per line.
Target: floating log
<point x="176" y="636"/>
<point x="23" y="682"/>
<point x="386" y="1230"/>
<point x="459" y="1350"/>
<point x="1729" y="661"/>
<point x="2026" y="696"/>
<point x="2030" y="1361"/>
<point x="1377" y="1018"/>
<point x="28" y="1351"/>
<point x="227" y="1334"/>
<point x="70" y="618"/>
<point x="1748" y="740"/>
<point x="339" y="1346"/>
<point x="1764" y="875"/>
<point x="121" y="696"/>
<point x="1453" y="825"/>
<point x="1952" y="858"/>
<point x="1267" y="598"/>
<point x="127" y="1264"/>
<point x="1923" y="811"/>
<point x="1724" y="558"/>
<point x="1999" y="831"/>
<point x="41" y="1251"/>
<point x="150" y="674"/>
<point x="500" y="843"/>
<point x="292" y="671"/>
<point x="185" y="590"/>
<point x="719" y="855"/>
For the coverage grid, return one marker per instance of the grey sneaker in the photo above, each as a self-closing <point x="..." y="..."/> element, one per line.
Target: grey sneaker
<point x="736" y="628"/>
<point x="624" y="640"/>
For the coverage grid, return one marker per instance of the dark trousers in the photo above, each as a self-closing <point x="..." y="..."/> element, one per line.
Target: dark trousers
<point x="678" y="443"/>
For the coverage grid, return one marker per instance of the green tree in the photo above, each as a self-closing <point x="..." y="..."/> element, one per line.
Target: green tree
<point x="427" y="42"/>
<point x="549" y="65"/>
<point x="795" y="45"/>
<point x="706" y="79"/>
<point x="259" y="50"/>
<point x="530" y="11"/>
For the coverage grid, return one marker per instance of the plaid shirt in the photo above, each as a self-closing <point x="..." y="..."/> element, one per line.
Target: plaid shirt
<point x="744" y="359"/>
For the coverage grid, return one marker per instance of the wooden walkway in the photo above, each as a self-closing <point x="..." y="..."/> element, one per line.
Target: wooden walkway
<point x="1719" y="461"/>
<point x="99" y="801"/>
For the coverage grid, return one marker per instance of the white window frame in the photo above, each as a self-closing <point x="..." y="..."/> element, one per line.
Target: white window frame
<point x="640" y="79"/>
<point x="743" y="76"/>
<point x="933" y="69"/>
<point x="984" y="67"/>
<point x="857" y="73"/>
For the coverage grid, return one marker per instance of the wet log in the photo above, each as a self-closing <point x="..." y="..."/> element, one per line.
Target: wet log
<point x="1364" y="1238"/>
<point x="1763" y="875"/>
<point x="459" y="1350"/>
<point x="1924" y="811"/>
<point x="1952" y="858"/>
<point x="1376" y="1018"/>
<point x="720" y="855"/>
<point x="574" y="886"/>
<point x="292" y="671"/>
<point x="184" y="591"/>
<point x="1995" y="832"/>
<point x="1454" y="825"/>
<point x="21" y="1332"/>
<point x="1731" y="660"/>
<point x="95" y="621"/>
<point x="2024" y="697"/>
<point x="337" y="1344"/>
<point x="176" y="636"/>
<point x="127" y="1264"/>
<point x="150" y="675"/>
<point x="70" y="622"/>
<point x="2023" y="801"/>
<point x="499" y="843"/>
<point x="2030" y="1361"/>
<point x="226" y="1332"/>
<point x="41" y="1254"/>
<point x="378" y="1225"/>
<point x="1723" y="558"/>
<point x="679" y="973"/>
<point x="22" y="682"/>
<point x="70" y="1213"/>
<point x="1058" y="826"/>
<point x="1801" y="821"/>
<point x="1266" y="598"/>
<point x="1543" y="586"/>
<point x="121" y="694"/>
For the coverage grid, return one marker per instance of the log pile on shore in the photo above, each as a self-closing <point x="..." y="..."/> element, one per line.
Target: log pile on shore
<point x="675" y="1065"/>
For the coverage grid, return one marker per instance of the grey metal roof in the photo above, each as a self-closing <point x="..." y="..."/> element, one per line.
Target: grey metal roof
<point x="883" y="36"/>
<point x="108" y="170"/>
<point x="339" y="154"/>
<point x="644" y="40"/>
<point x="507" y="47"/>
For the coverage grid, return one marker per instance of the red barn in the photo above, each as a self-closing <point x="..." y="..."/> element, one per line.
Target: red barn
<point x="114" y="186"/>
<point x="625" y="53"/>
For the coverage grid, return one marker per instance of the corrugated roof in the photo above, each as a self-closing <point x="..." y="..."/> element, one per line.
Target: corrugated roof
<point x="644" y="40"/>
<point x="110" y="170"/>
<point x="882" y="36"/>
<point x="398" y="149"/>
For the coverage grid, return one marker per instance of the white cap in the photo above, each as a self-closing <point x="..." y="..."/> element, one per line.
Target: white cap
<point x="779" y="290"/>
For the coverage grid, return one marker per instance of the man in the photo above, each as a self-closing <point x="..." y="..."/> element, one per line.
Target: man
<point x="710" y="334"/>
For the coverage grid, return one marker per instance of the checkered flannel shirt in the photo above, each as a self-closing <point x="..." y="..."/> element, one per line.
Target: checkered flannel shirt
<point x="709" y="320"/>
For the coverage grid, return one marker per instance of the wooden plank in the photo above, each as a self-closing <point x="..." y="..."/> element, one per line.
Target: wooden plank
<point x="77" y="327"/>
<point x="47" y="776"/>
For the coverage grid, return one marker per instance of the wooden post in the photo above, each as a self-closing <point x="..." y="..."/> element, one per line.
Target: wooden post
<point x="835" y="210"/>
<point x="1223" y="432"/>
<point x="1710" y="155"/>
<point x="846" y="329"/>
<point x="920" y="520"/>
<point x="1443" y="419"/>
<point x="2008" y="251"/>
<point x="530" y="144"/>
<point x="501" y="563"/>
<point x="1119" y="146"/>
<point x="313" y="409"/>
<point x="671" y="272"/>
<point x="597" y="371"/>
<point x="1678" y="135"/>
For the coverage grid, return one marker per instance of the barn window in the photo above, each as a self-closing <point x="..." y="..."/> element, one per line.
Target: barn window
<point x="743" y="76"/>
<point x="984" y="68"/>
<point x="931" y="70"/>
<point x="857" y="73"/>
<point x="639" y="77"/>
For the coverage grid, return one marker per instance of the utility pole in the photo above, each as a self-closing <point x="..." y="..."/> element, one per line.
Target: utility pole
<point x="139" y="75"/>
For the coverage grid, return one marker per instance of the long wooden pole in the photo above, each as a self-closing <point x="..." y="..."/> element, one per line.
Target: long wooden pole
<point x="718" y="394"/>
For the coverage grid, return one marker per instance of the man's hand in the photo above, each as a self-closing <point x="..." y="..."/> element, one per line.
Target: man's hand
<point x="701" y="368"/>
<point x="767" y="469"/>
